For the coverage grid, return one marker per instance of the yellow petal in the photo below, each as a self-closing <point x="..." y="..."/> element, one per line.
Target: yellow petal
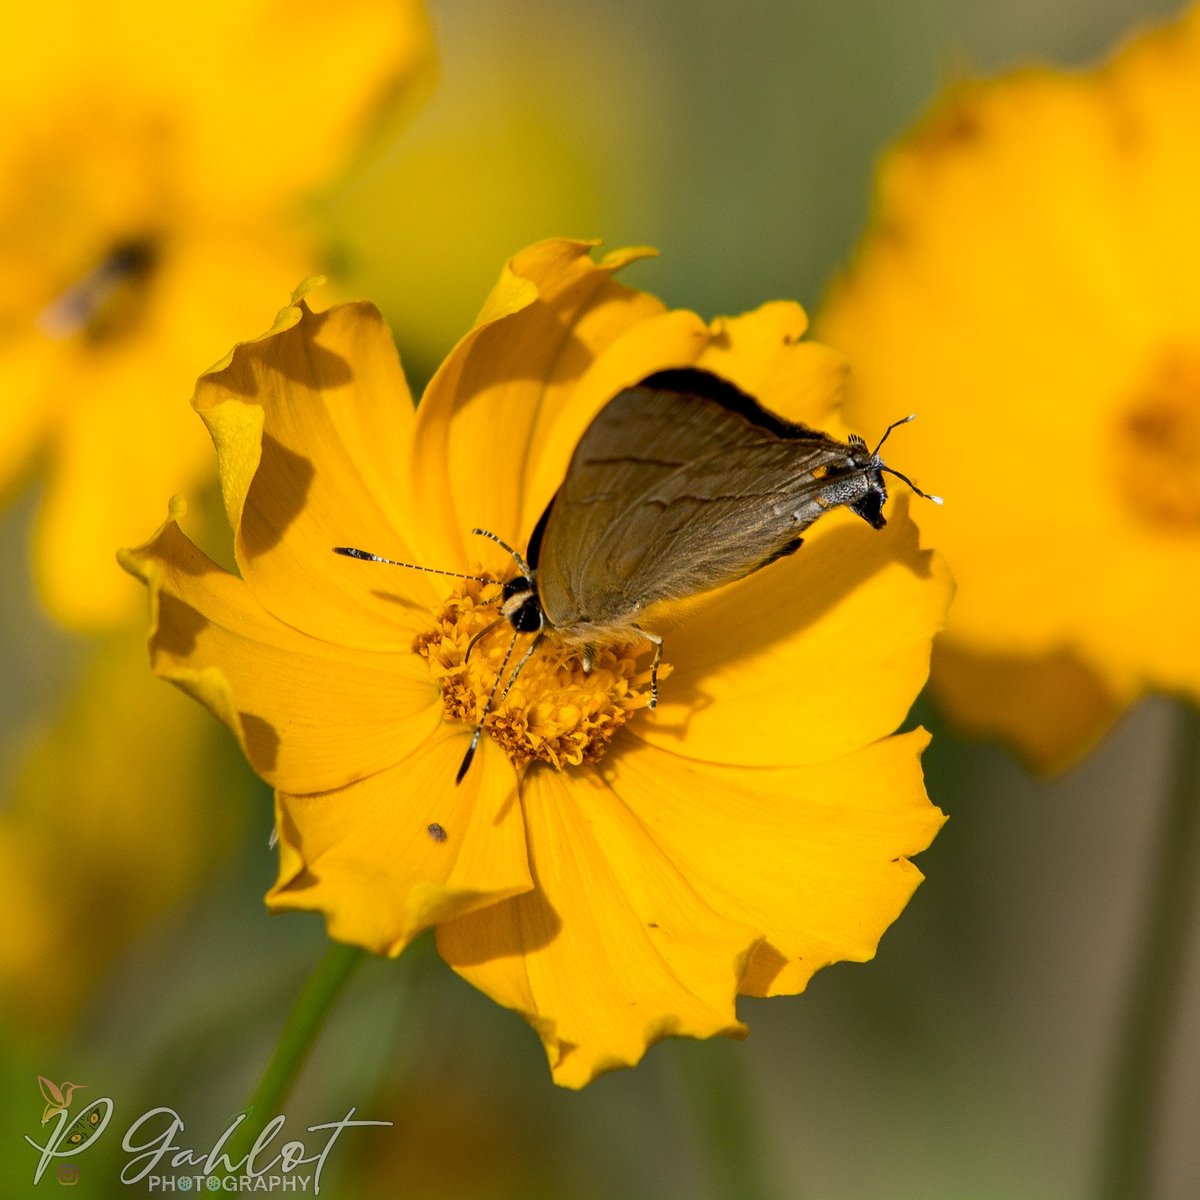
<point x="553" y="311"/>
<point x="309" y="715"/>
<point x="814" y="858"/>
<point x="763" y="353"/>
<point x="145" y="128"/>
<point x="670" y="339"/>
<point x="408" y="848"/>
<point x="121" y="413"/>
<point x="1052" y="708"/>
<point x="811" y="657"/>
<point x="312" y="424"/>
<point x="1028" y="284"/>
<point x="300" y="84"/>
<point x="975" y="185"/>
<point x="614" y="949"/>
<point x="256" y="103"/>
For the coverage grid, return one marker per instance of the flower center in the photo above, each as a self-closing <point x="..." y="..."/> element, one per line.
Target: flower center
<point x="1158" y="445"/>
<point x="109" y="299"/>
<point x="87" y="190"/>
<point x="555" y="711"/>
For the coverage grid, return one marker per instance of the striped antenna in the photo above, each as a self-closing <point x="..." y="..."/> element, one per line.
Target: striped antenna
<point x="487" y="533"/>
<point x="367" y="556"/>
<point x="537" y="641"/>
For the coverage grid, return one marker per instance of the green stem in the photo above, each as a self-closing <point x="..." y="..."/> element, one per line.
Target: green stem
<point x="714" y="1076"/>
<point x="1143" y="1050"/>
<point x="304" y="1023"/>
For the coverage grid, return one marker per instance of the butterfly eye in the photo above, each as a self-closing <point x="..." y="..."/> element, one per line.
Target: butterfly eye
<point x="515" y="587"/>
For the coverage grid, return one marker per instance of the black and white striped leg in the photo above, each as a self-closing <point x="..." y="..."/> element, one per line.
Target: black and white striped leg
<point x="657" y="643"/>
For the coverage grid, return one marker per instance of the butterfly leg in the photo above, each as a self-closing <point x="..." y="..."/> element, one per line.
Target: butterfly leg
<point x="657" y="643"/>
<point x="487" y="708"/>
<point x="533" y="646"/>
<point x="479" y="637"/>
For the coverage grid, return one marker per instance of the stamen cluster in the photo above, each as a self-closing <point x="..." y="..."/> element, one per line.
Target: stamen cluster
<point x="554" y="711"/>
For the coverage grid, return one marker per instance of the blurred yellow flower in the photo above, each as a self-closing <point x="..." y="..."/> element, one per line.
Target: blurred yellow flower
<point x="1031" y="286"/>
<point x="545" y="139"/>
<point x="109" y="821"/>
<point x="751" y="830"/>
<point x="151" y="161"/>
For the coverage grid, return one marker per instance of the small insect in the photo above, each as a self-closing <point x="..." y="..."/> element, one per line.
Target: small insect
<point x="681" y="483"/>
<point x="436" y="831"/>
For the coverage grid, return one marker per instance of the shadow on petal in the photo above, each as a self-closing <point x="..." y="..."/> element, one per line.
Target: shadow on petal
<point x="401" y="601"/>
<point x="511" y="929"/>
<point x="310" y="365"/>
<point x="318" y="363"/>
<point x="745" y="619"/>
<point x="179" y="625"/>
<point x="277" y="496"/>
<point x="767" y="963"/>
<point x="551" y="322"/>
<point x="261" y="741"/>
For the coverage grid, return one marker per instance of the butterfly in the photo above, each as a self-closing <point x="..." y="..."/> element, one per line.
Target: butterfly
<point x="681" y="483"/>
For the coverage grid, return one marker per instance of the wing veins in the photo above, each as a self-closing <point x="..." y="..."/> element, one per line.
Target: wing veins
<point x="690" y="464"/>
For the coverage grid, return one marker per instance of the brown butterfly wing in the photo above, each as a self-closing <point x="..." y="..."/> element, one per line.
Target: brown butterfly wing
<point x="680" y="484"/>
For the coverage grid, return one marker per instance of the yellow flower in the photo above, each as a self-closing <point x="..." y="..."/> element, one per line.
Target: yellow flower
<point x="752" y="829"/>
<point x="543" y="147"/>
<point x="108" y="822"/>
<point x="1031" y="286"/>
<point x="151" y="157"/>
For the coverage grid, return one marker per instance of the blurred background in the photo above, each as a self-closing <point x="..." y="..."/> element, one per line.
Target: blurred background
<point x="970" y="1059"/>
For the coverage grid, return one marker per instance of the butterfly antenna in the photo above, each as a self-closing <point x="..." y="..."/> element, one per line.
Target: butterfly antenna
<point x="367" y="556"/>
<point x="487" y="708"/>
<point x="888" y="430"/>
<point x="487" y="533"/>
<point x="898" y="475"/>
<point x="924" y="495"/>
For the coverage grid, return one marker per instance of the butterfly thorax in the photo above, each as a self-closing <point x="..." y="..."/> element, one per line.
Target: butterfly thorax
<point x="521" y="607"/>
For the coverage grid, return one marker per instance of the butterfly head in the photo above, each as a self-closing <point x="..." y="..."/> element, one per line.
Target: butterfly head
<point x="866" y="468"/>
<point x="520" y="605"/>
<point x="861" y="477"/>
